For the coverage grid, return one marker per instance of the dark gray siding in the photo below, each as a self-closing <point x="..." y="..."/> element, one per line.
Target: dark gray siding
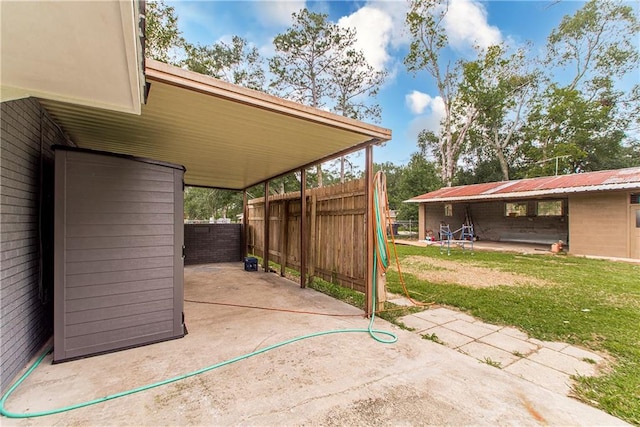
<point x="26" y="197"/>
<point x="208" y="243"/>
<point x="119" y="253"/>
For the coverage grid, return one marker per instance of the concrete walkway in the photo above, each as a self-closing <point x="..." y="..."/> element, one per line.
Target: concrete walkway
<point x="547" y="364"/>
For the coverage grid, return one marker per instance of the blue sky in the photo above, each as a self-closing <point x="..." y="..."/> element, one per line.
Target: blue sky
<point x="408" y="102"/>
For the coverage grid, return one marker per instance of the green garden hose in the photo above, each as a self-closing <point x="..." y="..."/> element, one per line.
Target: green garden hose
<point x="376" y="334"/>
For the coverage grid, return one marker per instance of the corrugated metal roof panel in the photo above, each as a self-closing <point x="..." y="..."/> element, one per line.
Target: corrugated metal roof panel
<point x="536" y="187"/>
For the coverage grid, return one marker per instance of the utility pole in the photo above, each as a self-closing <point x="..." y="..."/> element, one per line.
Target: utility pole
<point x="556" y="158"/>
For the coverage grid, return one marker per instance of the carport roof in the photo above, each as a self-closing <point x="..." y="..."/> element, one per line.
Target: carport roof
<point x="620" y="179"/>
<point x="226" y="136"/>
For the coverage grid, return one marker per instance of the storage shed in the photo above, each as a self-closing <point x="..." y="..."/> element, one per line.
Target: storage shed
<point x="118" y="252"/>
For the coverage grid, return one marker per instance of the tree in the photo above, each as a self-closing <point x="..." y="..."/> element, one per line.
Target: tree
<point x="393" y="174"/>
<point x="355" y="83"/>
<point x="428" y="38"/>
<point x="316" y="64"/>
<point x="163" y="39"/>
<point x="236" y="63"/>
<point x="500" y="87"/>
<point x="418" y="177"/>
<point x="585" y="123"/>
<point x="580" y="133"/>
<point x="304" y="55"/>
<point x="205" y="203"/>
<point x="599" y="42"/>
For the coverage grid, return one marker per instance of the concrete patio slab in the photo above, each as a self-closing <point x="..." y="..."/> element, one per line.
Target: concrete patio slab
<point x="466" y="317"/>
<point x="487" y="325"/>
<point x="439" y="315"/>
<point x="417" y="323"/>
<point x="473" y="330"/>
<point x="557" y="346"/>
<point x="581" y="354"/>
<point x="563" y="362"/>
<point x="508" y="343"/>
<point x="489" y="354"/>
<point x="542" y="375"/>
<point x="450" y="338"/>
<point x="515" y="333"/>
<point x="338" y="379"/>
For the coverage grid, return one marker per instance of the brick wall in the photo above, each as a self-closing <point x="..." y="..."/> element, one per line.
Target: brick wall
<point x="208" y="243"/>
<point x="26" y="268"/>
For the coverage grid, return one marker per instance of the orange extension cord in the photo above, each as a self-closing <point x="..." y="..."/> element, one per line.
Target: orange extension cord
<point x="380" y="182"/>
<point x="380" y="185"/>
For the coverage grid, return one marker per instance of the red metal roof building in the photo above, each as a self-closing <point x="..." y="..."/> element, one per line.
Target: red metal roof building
<point x="608" y="180"/>
<point x="579" y="209"/>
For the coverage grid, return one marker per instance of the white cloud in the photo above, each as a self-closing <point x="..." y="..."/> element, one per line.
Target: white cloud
<point x="373" y="31"/>
<point x="277" y="13"/>
<point x="397" y="11"/>
<point x="466" y="25"/>
<point x="418" y="102"/>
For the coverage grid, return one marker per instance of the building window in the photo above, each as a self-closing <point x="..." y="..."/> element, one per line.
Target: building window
<point x="635" y="199"/>
<point x="448" y="209"/>
<point x="513" y="209"/>
<point x="549" y="208"/>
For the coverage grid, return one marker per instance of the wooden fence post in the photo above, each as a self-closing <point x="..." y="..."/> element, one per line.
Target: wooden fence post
<point x="313" y="236"/>
<point x="267" y="216"/>
<point x="245" y="225"/>
<point x="369" y="232"/>
<point x="303" y="228"/>
<point x="284" y="237"/>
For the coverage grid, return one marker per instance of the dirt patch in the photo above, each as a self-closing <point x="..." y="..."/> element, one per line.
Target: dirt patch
<point x="450" y="272"/>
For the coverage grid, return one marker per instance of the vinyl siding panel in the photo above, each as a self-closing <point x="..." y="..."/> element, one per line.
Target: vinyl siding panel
<point x="119" y="265"/>
<point x="116" y="312"/>
<point x="26" y="223"/>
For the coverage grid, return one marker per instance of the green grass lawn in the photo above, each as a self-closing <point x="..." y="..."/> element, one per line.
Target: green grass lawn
<point x="591" y="303"/>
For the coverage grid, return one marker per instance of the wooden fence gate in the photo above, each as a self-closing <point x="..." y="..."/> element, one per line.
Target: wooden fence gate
<point x="336" y="232"/>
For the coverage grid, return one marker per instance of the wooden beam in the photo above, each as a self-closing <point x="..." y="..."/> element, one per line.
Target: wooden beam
<point x="341" y="153"/>
<point x="265" y="252"/>
<point x="369" y="231"/>
<point x="303" y="228"/>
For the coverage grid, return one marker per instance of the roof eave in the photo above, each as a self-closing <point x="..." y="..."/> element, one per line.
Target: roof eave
<point x="529" y="194"/>
<point x="168" y="74"/>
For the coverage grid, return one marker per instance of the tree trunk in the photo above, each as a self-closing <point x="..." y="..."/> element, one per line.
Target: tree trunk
<point x="504" y="166"/>
<point x="319" y="171"/>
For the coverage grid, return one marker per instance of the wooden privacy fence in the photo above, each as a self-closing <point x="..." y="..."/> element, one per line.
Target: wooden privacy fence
<point x="336" y="232"/>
